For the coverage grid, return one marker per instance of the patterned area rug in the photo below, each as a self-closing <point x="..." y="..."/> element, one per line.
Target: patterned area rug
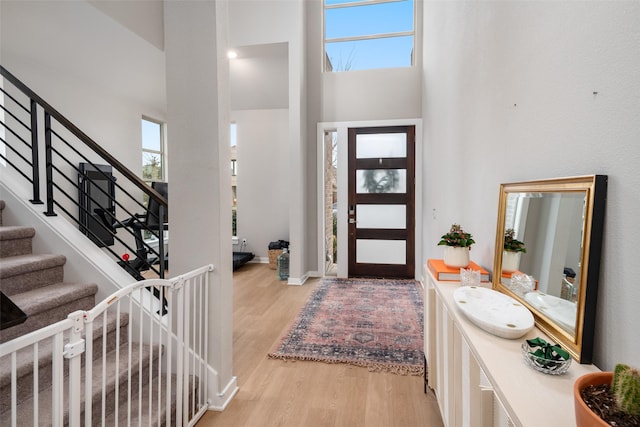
<point x="362" y="322"/>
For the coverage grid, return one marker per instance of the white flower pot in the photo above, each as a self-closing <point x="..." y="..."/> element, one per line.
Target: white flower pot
<point x="456" y="257"/>
<point x="510" y="261"/>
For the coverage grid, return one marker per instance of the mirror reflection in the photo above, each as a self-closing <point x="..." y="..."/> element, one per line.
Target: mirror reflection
<point x="547" y="271"/>
<point x="548" y="245"/>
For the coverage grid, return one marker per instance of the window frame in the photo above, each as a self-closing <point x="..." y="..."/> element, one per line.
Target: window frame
<point x="161" y="153"/>
<point x="325" y="57"/>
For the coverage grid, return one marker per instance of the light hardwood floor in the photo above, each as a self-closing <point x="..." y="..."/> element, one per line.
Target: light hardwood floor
<point x="305" y="394"/>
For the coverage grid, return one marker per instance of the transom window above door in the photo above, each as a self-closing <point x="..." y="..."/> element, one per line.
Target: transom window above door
<point x="368" y="34"/>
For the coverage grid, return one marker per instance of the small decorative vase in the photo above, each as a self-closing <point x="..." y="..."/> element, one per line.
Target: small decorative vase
<point x="456" y="257"/>
<point x="585" y="417"/>
<point x="510" y="261"/>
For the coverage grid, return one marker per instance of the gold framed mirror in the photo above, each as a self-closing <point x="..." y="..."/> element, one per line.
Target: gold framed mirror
<point x="558" y="222"/>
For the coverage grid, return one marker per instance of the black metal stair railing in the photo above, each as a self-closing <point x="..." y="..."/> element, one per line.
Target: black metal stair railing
<point x="127" y="220"/>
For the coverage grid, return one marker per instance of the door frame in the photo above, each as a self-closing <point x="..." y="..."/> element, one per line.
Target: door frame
<point x="358" y="200"/>
<point x="343" y="190"/>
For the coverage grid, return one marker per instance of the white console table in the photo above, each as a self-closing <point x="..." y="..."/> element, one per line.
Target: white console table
<point x="480" y="379"/>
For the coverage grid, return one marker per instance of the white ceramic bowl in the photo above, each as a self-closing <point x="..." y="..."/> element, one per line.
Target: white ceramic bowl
<point x="495" y="312"/>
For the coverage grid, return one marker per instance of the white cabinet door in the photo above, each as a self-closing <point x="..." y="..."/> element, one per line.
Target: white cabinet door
<point x="465" y="396"/>
<point x="448" y="363"/>
<point x="430" y="332"/>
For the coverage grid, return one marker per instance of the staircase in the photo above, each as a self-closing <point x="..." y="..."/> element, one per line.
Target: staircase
<point x="63" y="359"/>
<point x="35" y="283"/>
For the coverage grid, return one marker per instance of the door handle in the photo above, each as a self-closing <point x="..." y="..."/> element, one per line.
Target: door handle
<point x="352" y="221"/>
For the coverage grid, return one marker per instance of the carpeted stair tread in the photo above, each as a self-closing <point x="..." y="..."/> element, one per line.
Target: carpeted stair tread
<point x="47" y="297"/>
<point x="12" y="232"/>
<point x="23" y="273"/>
<point x="21" y="264"/>
<point x="24" y="357"/>
<point x="16" y="240"/>
<point x="140" y="357"/>
<point x="50" y="304"/>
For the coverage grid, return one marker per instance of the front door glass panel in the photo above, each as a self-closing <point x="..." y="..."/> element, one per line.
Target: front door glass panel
<point x="381" y="181"/>
<point x="381" y="216"/>
<point x="381" y="145"/>
<point x="372" y="251"/>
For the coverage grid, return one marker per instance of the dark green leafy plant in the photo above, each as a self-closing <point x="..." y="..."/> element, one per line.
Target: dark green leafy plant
<point x="512" y="244"/>
<point x="457" y="237"/>
<point x="551" y="356"/>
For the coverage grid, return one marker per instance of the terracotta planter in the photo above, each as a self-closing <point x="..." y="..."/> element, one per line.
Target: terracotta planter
<point x="585" y="417"/>
<point x="456" y="257"/>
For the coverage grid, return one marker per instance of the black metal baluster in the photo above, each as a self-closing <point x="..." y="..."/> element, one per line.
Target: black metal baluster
<point x="49" y="164"/>
<point x="161" y="239"/>
<point x="35" y="163"/>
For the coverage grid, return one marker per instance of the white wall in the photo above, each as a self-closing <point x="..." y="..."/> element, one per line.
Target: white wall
<point x="145" y="18"/>
<point x="259" y="77"/>
<point x="99" y="74"/>
<point x="508" y="95"/>
<point x="259" y="101"/>
<point x="273" y="22"/>
<point x="260" y="22"/>
<point x="263" y="177"/>
<point x="382" y="94"/>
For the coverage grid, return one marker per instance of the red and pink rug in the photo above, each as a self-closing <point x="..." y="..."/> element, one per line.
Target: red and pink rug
<point x="364" y="322"/>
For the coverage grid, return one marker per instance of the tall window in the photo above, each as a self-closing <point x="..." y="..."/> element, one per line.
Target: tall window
<point x="153" y="164"/>
<point x="367" y="34"/>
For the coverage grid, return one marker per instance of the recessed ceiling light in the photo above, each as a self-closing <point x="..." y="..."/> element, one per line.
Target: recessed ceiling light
<point x="232" y="54"/>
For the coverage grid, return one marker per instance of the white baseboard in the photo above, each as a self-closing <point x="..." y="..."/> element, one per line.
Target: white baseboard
<point x="219" y="400"/>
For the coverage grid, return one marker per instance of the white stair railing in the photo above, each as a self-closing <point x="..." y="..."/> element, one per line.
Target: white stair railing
<point x="148" y="359"/>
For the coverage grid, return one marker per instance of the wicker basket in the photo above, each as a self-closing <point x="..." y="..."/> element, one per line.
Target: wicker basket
<point x="273" y="258"/>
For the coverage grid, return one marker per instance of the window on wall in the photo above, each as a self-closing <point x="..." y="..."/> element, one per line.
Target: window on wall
<point x="368" y="34"/>
<point x="153" y="164"/>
